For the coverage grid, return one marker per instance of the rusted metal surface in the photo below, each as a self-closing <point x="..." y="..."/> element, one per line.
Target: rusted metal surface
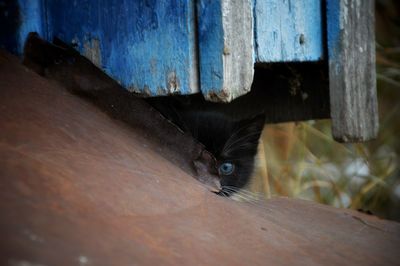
<point x="81" y="188"/>
<point x="78" y="75"/>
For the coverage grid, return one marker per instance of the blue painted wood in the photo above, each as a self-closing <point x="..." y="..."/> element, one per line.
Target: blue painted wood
<point x="225" y="30"/>
<point x="288" y="30"/>
<point x="211" y="46"/>
<point x="335" y="18"/>
<point x="150" y="46"/>
<point x="147" y="46"/>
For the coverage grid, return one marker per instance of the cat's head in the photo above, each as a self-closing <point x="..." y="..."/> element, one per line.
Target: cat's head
<point x="231" y="150"/>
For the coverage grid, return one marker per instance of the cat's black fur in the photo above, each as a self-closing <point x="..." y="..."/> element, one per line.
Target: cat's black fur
<point x="228" y="138"/>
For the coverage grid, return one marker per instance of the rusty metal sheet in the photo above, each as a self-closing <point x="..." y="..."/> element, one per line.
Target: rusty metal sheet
<point x="79" y="187"/>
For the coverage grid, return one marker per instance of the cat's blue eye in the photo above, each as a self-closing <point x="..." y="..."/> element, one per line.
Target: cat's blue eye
<point x="226" y="168"/>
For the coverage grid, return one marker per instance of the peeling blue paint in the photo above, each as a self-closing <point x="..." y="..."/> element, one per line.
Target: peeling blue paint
<point x="288" y="30"/>
<point x="211" y="45"/>
<point x="333" y="25"/>
<point x="147" y="46"/>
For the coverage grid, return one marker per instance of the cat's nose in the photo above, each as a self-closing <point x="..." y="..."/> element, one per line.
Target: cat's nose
<point x="217" y="186"/>
<point x="212" y="185"/>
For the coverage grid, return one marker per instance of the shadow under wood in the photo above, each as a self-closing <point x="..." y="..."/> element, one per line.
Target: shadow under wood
<point x="79" y="187"/>
<point x="282" y="91"/>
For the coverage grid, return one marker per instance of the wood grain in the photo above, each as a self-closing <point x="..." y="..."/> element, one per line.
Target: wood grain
<point x="288" y="31"/>
<point x="225" y="30"/>
<point x="352" y="75"/>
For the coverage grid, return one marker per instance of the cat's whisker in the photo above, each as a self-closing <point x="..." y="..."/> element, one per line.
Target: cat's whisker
<point x="223" y="194"/>
<point x="244" y="198"/>
<point x="244" y="191"/>
<point x="243" y="195"/>
<point x="250" y="199"/>
<point x="253" y="202"/>
<point x="238" y="193"/>
<point x="235" y="193"/>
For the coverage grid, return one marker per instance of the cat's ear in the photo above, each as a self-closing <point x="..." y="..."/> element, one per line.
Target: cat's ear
<point x="251" y="129"/>
<point x="257" y="122"/>
<point x="244" y="140"/>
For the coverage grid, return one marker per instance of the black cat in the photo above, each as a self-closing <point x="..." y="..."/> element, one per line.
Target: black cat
<point x="232" y="141"/>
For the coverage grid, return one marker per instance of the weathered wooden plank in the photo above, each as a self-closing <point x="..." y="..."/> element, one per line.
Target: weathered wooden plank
<point x="150" y="46"/>
<point x="147" y="46"/>
<point x="288" y="30"/>
<point x="225" y="30"/>
<point x="351" y="50"/>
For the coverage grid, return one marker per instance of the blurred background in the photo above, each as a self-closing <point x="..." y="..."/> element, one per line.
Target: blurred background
<point x="303" y="161"/>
